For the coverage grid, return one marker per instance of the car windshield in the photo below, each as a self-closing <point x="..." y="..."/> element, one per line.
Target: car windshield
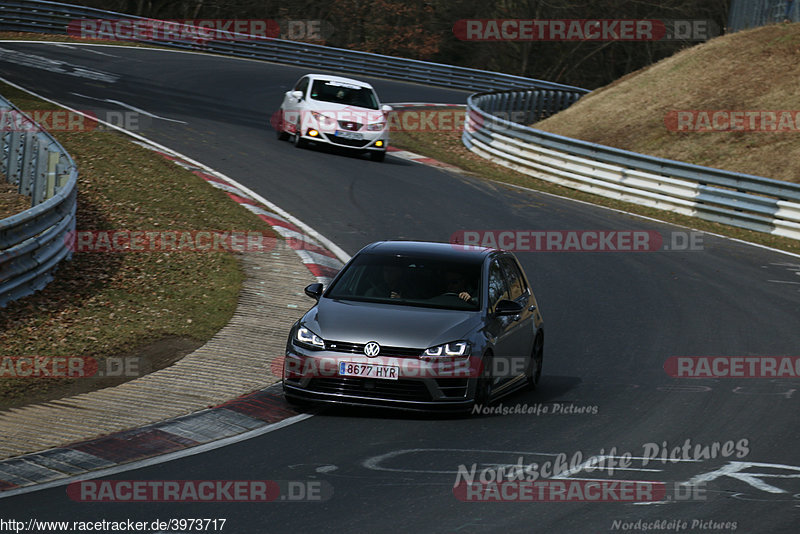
<point x="344" y="93"/>
<point x="410" y="281"/>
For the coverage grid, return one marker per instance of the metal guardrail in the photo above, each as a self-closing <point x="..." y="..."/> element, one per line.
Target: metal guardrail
<point x="51" y="17"/>
<point x="743" y="200"/>
<point x="33" y="242"/>
<point x="745" y="14"/>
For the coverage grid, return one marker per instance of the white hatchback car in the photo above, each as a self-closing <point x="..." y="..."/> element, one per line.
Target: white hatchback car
<point x="337" y="111"/>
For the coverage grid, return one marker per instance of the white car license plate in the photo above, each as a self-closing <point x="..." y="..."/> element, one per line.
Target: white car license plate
<point x="349" y="135"/>
<point x="368" y="370"/>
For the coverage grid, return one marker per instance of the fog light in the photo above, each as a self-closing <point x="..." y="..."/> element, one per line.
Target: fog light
<point x="378" y="143"/>
<point x="313" y="133"/>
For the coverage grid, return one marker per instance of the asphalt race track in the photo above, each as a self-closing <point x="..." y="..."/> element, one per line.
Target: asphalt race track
<point x="612" y="320"/>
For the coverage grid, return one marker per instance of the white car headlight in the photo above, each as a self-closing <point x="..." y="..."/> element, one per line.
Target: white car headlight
<point x="323" y="119"/>
<point x="376" y="126"/>
<point x="307" y="337"/>
<point x="448" y="350"/>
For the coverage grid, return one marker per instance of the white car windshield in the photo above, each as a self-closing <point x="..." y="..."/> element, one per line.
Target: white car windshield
<point x="344" y="93"/>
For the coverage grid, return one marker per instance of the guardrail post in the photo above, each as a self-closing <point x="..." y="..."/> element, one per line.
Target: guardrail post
<point x="526" y="106"/>
<point x="40" y="177"/>
<point x="62" y="171"/>
<point x="14" y="157"/>
<point x="5" y="152"/>
<point x="52" y="165"/>
<point x="29" y="168"/>
<point x="536" y="106"/>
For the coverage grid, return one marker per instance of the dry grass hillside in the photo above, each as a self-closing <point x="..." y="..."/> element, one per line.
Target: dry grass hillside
<point x="755" y="70"/>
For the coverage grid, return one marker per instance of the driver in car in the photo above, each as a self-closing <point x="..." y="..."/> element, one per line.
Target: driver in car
<point x="456" y="284"/>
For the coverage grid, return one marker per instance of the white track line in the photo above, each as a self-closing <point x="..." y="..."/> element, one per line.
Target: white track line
<point x="168" y="457"/>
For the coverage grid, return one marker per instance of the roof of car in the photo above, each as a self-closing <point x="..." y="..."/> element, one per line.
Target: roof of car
<point x="339" y="79"/>
<point x="426" y="248"/>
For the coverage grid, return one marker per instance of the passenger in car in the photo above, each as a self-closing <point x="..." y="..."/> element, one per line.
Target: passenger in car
<point x="390" y="285"/>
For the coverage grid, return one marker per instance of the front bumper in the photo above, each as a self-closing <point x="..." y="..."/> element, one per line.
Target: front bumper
<point x="328" y="136"/>
<point x="421" y="386"/>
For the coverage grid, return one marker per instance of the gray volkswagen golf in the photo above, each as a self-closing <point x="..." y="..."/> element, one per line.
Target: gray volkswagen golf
<point x="417" y="326"/>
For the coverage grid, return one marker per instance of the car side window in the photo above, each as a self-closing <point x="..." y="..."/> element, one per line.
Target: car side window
<point x="497" y="285"/>
<point x="516" y="283"/>
<point x="302" y="85"/>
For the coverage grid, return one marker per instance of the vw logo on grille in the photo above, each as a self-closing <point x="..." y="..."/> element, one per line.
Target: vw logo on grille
<point x="372" y="349"/>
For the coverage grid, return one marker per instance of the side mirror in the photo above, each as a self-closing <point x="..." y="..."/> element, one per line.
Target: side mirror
<point x="507" y="307"/>
<point x="314" y="291"/>
<point x="297" y="95"/>
<point x="386" y="108"/>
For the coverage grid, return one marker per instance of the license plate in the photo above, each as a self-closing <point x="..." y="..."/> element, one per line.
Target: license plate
<point x="349" y="135"/>
<point x="368" y="370"/>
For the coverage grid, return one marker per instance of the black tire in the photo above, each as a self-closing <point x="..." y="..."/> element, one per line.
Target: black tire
<point x="377" y="156"/>
<point x="282" y="136"/>
<point x="534" y="371"/>
<point x="483" y="389"/>
<point x="299" y="142"/>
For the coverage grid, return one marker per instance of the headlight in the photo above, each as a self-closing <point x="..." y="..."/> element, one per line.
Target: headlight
<point x="323" y="119"/>
<point x="376" y="127"/>
<point x="448" y="350"/>
<point x="309" y="338"/>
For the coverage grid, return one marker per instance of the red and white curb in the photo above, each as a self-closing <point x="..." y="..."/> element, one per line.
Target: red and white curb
<point x="235" y="420"/>
<point x="322" y="263"/>
<point x="418" y="158"/>
<point x="412" y="156"/>
<point x="242" y="418"/>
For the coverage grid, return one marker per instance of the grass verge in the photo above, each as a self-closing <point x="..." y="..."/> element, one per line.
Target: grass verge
<point x="152" y="306"/>
<point x="11" y="202"/>
<point x="750" y="74"/>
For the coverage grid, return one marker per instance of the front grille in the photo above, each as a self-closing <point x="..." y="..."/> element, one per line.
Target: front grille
<point x="402" y="389"/>
<point x="358" y="348"/>
<point x="359" y="143"/>
<point x="350" y="125"/>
